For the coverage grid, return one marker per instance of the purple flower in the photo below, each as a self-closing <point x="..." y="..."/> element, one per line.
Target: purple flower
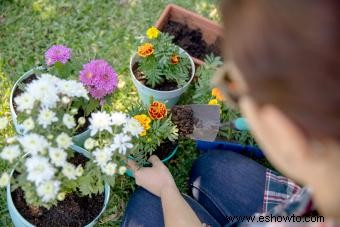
<point x="57" y="53"/>
<point x="99" y="78"/>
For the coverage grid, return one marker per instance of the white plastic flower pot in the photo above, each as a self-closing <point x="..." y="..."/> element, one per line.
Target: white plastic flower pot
<point x="77" y="139"/>
<point x="19" y="221"/>
<point x="170" y="98"/>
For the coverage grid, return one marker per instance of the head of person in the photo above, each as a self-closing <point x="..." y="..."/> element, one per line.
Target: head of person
<point x="283" y="70"/>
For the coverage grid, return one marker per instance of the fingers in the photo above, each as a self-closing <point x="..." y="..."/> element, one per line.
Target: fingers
<point x="154" y="160"/>
<point x="132" y="165"/>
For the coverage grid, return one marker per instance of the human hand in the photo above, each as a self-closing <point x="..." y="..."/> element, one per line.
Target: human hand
<point x="155" y="179"/>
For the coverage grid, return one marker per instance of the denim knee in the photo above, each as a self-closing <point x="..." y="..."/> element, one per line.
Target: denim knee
<point x="143" y="209"/>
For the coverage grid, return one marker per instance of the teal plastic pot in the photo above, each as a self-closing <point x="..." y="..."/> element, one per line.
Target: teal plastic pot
<point x="130" y="174"/>
<point x="78" y="139"/>
<point x="170" y="98"/>
<point x="19" y="221"/>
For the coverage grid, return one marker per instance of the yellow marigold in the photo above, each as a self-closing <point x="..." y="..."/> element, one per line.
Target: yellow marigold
<point x="145" y="121"/>
<point x="213" y="102"/>
<point x="217" y="93"/>
<point x="145" y="50"/>
<point x="152" y="33"/>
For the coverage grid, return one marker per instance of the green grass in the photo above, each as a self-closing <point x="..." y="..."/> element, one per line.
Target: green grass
<point x="93" y="29"/>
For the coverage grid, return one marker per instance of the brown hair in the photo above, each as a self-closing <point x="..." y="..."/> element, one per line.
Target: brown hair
<point x="288" y="52"/>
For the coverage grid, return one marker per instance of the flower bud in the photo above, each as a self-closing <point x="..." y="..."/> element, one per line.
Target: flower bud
<point x="61" y="196"/>
<point x="81" y="121"/>
<point x="79" y="171"/>
<point x="4" y="180"/>
<point x="66" y="100"/>
<point x="74" y="111"/>
<point x="122" y="170"/>
<point x="89" y="144"/>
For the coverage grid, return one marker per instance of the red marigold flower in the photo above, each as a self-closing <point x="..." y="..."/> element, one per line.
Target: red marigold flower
<point x="157" y="110"/>
<point x="175" y="59"/>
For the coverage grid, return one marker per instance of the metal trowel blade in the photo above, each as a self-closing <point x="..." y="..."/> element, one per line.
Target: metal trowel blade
<point x="206" y="122"/>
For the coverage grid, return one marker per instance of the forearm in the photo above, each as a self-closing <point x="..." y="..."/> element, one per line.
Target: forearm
<point x="176" y="210"/>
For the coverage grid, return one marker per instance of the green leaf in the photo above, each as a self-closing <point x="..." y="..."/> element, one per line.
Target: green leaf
<point x="62" y="70"/>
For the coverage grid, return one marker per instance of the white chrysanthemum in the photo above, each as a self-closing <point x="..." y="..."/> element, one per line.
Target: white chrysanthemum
<point x="118" y="118"/>
<point x="58" y="156"/>
<point x="28" y="125"/>
<point x="33" y="143"/>
<point x="69" y="121"/>
<point x="46" y="117"/>
<point x="24" y="102"/>
<point x="100" y="121"/>
<point x="39" y="169"/>
<point x="3" y="123"/>
<point x="79" y="171"/>
<point x="50" y="78"/>
<point x="102" y="156"/>
<point x="133" y="127"/>
<point x="89" y="144"/>
<point x="72" y="88"/>
<point x="45" y="91"/>
<point x="48" y="191"/>
<point x="69" y="171"/>
<point x="10" y="153"/>
<point x="64" y="141"/>
<point x="4" y="180"/>
<point x="109" y="169"/>
<point x="122" y="170"/>
<point x="121" y="142"/>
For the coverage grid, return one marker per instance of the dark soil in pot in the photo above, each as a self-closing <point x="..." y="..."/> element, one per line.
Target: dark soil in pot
<point x="165" y="149"/>
<point x="183" y="118"/>
<point x="74" y="211"/>
<point x="192" y="40"/>
<point x="165" y="86"/>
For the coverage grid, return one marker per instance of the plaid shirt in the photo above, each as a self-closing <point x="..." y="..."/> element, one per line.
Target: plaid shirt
<point x="282" y="197"/>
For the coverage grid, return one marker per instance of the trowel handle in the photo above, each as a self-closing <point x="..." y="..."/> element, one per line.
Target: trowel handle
<point x="239" y="124"/>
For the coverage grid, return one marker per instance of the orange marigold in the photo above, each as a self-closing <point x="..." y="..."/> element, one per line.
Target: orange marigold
<point x="175" y="59"/>
<point x="217" y="93"/>
<point x="145" y="50"/>
<point x="157" y="110"/>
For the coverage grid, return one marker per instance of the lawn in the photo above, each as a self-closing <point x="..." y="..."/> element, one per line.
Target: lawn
<point x="93" y="29"/>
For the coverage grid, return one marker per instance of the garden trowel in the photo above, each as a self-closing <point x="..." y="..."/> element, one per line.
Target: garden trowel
<point x="207" y="122"/>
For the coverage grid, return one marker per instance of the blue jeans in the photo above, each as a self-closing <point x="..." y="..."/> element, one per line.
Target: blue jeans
<point x="222" y="184"/>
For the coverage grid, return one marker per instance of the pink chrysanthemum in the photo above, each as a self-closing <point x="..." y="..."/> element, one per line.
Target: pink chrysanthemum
<point x="57" y="53"/>
<point x="99" y="78"/>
